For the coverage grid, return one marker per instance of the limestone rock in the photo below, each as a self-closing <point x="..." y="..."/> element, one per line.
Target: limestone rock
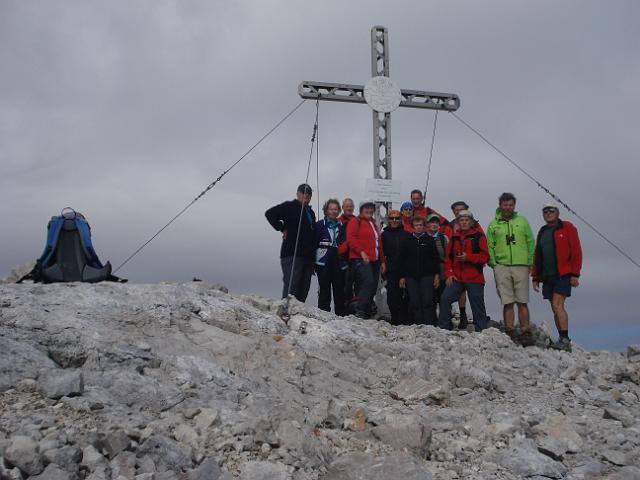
<point x="472" y="377"/>
<point x="408" y="431"/>
<point x="179" y="379"/>
<point x="61" y="383"/>
<point x="258" y="470"/>
<point x="526" y="461"/>
<point x="205" y="419"/>
<point x="614" y="456"/>
<point x="68" y="456"/>
<point x="23" y="453"/>
<point x="615" y="411"/>
<point x="207" y="470"/>
<point x="415" y="389"/>
<point x="115" y="442"/>
<point x="625" y="473"/>
<point x="167" y="453"/>
<point x="53" y="472"/>
<point x="555" y="437"/>
<point x="360" y="466"/>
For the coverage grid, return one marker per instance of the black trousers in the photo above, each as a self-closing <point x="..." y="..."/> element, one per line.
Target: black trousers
<point x="301" y="281"/>
<point x="421" y="293"/>
<point x="366" y="278"/>
<point x="397" y="302"/>
<point x="331" y="278"/>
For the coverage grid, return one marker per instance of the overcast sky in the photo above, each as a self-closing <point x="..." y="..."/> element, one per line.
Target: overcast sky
<point x="126" y="110"/>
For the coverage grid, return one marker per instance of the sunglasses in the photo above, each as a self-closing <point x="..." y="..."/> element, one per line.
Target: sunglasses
<point x="394" y="219"/>
<point x="549" y="210"/>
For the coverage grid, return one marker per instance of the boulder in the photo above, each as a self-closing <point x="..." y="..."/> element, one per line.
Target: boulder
<point x="415" y="389"/>
<point x="526" y="461"/>
<point x="361" y="466"/>
<point x="53" y="472"/>
<point x="60" y="383"/>
<point x="166" y="453"/>
<point x="259" y="470"/>
<point x="23" y="453"/>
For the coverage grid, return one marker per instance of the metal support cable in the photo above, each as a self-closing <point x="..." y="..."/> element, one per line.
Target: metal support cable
<point x="285" y="314"/>
<point x="212" y="184"/>
<point x="433" y="141"/>
<point x="547" y="191"/>
<point x="318" y="158"/>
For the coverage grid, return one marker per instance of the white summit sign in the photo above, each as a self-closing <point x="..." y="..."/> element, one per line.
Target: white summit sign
<point x="383" y="190"/>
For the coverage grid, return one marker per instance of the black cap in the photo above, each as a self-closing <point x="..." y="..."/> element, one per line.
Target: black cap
<point x="304" y="188"/>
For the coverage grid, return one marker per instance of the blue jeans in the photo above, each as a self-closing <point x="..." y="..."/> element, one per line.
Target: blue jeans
<point x="475" y="292"/>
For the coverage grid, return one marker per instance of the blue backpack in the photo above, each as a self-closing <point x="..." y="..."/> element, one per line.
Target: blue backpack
<point x="69" y="255"/>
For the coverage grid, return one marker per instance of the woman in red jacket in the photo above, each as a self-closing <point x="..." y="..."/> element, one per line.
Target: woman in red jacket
<point x="366" y="257"/>
<point x="467" y="254"/>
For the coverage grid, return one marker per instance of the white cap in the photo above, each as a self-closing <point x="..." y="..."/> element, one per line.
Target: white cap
<point x="465" y="213"/>
<point x="551" y="205"/>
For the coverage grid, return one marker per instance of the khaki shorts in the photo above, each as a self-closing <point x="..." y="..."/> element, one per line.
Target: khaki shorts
<point x="512" y="283"/>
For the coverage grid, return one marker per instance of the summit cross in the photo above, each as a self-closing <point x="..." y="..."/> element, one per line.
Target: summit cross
<point x="383" y="96"/>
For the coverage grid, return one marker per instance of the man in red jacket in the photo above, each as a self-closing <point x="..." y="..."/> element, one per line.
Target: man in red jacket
<point x="467" y="254"/>
<point x="419" y="209"/>
<point x="557" y="263"/>
<point x="366" y="257"/>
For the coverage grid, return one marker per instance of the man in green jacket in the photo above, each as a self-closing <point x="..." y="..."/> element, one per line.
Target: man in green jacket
<point x="511" y="246"/>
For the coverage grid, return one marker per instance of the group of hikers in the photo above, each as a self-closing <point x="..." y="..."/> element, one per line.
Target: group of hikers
<point x="428" y="262"/>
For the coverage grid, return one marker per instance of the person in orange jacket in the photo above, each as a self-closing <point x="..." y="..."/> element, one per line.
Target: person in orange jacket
<point x="467" y="254"/>
<point x="557" y="264"/>
<point x="366" y="257"/>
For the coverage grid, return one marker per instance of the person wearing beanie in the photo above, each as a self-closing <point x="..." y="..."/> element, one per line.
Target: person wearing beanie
<point x="298" y="249"/>
<point x="456" y="208"/>
<point x="394" y="237"/>
<point x="366" y="257"/>
<point x="467" y="253"/>
<point x="406" y="209"/>
<point x="557" y="265"/>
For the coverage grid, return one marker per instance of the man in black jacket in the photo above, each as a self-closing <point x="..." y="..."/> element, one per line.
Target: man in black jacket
<point x="286" y="218"/>
<point x="393" y="238"/>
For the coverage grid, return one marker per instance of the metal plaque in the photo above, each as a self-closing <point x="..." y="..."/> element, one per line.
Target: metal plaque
<point x="382" y="94"/>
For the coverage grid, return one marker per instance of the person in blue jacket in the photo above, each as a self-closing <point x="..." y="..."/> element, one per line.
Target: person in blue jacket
<point x="330" y="262"/>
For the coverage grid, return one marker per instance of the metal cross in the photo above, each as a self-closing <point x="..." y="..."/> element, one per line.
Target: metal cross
<point x="383" y="96"/>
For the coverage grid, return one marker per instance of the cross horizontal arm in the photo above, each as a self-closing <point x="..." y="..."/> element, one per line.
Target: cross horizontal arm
<point x="341" y="92"/>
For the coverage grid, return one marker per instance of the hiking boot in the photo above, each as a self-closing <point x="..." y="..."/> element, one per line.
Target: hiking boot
<point x="526" y="339"/>
<point x="563" y="344"/>
<point x="511" y="333"/>
<point x="363" y="315"/>
<point x="464" y="322"/>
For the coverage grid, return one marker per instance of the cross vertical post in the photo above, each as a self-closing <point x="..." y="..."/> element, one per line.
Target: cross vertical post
<point x="381" y="121"/>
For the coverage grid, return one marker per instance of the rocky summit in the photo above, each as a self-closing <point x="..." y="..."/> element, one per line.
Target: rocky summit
<point x="169" y="381"/>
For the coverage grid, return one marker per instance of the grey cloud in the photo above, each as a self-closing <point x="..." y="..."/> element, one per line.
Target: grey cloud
<point x="126" y="110"/>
